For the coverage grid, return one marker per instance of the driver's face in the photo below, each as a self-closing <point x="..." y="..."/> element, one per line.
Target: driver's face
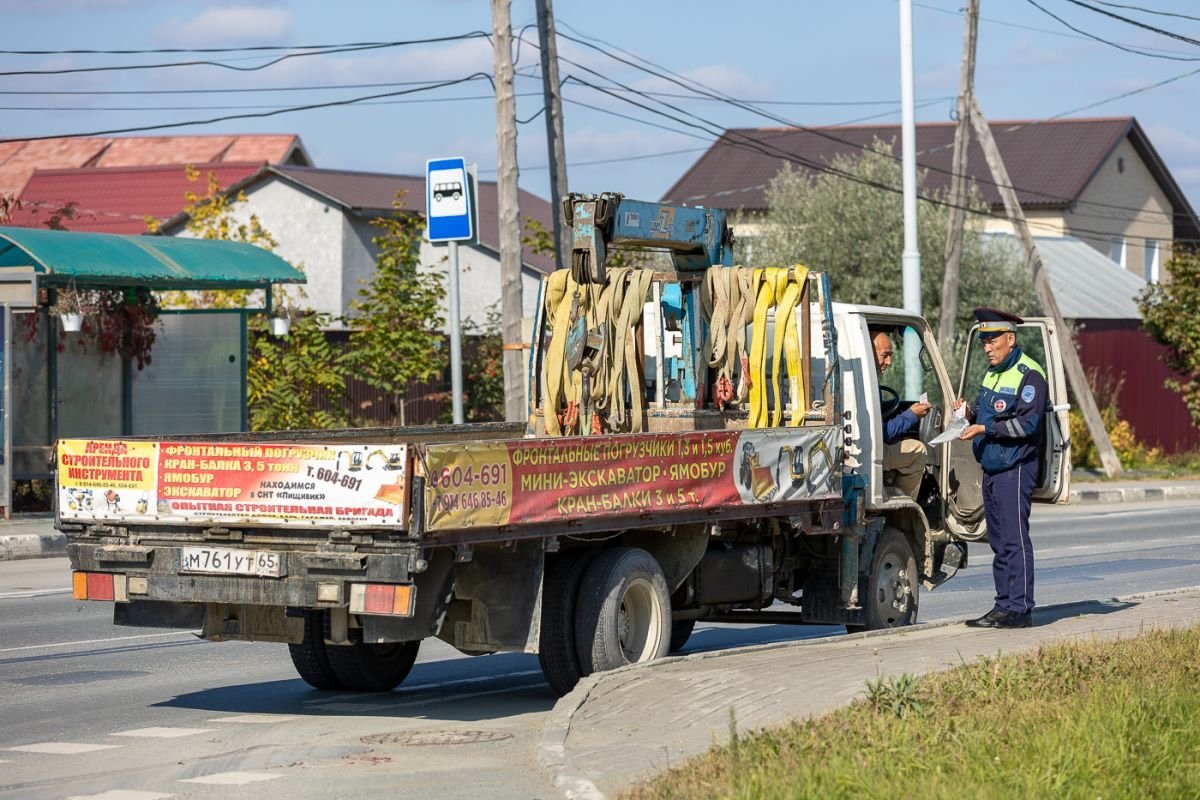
<point x="883" y="351"/>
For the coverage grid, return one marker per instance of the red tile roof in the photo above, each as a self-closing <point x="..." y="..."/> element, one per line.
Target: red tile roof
<point x="19" y="159"/>
<point x="117" y="199"/>
<point x="1049" y="162"/>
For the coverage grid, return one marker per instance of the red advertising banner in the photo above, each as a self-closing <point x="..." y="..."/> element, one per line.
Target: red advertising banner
<point x="298" y="485"/>
<point x="532" y="481"/>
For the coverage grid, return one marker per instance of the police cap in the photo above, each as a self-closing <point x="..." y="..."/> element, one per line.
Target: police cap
<point x="993" y="322"/>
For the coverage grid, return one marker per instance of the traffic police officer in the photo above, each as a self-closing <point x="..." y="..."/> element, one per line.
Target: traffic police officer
<point x="1007" y="419"/>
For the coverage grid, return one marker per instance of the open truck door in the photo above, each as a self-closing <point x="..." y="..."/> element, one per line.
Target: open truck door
<point x="1037" y="338"/>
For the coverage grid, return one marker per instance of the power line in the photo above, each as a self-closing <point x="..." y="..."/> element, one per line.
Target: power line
<point x="1137" y="23"/>
<point x="1135" y="51"/>
<point x="108" y="109"/>
<point x="166" y="50"/>
<point x="223" y="65"/>
<point x="670" y="76"/>
<point x="256" y="115"/>
<point x="1147" y="10"/>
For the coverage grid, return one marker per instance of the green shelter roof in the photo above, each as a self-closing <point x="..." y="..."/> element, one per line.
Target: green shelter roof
<point x="157" y="262"/>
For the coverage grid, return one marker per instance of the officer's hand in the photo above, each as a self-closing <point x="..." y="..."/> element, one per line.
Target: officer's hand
<point x="920" y="409"/>
<point x="972" y="431"/>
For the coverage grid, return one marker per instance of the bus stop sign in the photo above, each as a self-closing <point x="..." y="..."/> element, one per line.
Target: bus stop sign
<point x="447" y="200"/>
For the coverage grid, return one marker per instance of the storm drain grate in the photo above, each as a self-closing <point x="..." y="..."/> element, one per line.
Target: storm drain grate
<point x="437" y="738"/>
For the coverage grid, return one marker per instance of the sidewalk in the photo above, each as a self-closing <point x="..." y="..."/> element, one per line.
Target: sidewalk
<point x="33" y="536"/>
<point x="621" y="727"/>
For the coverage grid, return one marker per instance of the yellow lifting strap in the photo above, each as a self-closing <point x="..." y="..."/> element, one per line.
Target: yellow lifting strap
<point x="728" y="301"/>
<point x="616" y="368"/>
<point x="781" y="289"/>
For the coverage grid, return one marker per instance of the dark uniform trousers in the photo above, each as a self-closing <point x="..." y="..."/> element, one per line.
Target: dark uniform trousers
<point x="1007" y="497"/>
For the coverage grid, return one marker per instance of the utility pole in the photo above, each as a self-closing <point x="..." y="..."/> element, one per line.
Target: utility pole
<point x="555" y="143"/>
<point x="1041" y="285"/>
<point x="911" y="259"/>
<point x="511" y="306"/>
<point x="958" y="181"/>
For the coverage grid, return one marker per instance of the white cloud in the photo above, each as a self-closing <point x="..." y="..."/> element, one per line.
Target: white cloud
<point x="227" y="25"/>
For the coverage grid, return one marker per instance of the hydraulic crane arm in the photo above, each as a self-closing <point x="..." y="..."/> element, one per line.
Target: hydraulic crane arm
<point x="697" y="238"/>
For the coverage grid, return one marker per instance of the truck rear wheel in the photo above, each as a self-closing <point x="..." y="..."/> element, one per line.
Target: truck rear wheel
<point x="623" y="615"/>
<point x="362" y="667"/>
<point x="556" y="645"/>
<point x="309" y="657"/>
<point x="892" y="587"/>
<point x="681" y="631"/>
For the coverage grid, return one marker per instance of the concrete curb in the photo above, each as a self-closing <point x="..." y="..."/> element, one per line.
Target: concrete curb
<point x="1134" y="494"/>
<point x="41" y="544"/>
<point x="555" y="759"/>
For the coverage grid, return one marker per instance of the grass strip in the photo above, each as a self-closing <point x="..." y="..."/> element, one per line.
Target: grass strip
<point x="1079" y="720"/>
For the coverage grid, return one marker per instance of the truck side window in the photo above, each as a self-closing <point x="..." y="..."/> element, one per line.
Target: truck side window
<point x="894" y="377"/>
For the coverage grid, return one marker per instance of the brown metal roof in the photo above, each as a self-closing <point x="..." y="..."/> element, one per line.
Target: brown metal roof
<point x="1050" y="163"/>
<point x="372" y="193"/>
<point x="18" y="159"/>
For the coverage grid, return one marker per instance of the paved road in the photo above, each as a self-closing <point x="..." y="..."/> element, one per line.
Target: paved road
<point x="131" y="714"/>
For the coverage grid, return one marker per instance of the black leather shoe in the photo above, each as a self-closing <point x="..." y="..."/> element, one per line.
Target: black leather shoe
<point x="988" y="620"/>
<point x="1002" y="619"/>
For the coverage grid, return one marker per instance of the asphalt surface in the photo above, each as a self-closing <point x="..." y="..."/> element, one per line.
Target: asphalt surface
<point x="164" y="710"/>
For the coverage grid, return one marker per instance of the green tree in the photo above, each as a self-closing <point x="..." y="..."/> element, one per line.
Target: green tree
<point x="397" y="319"/>
<point x="285" y="379"/>
<point x="288" y="378"/>
<point x="1171" y="314"/>
<point x="854" y="231"/>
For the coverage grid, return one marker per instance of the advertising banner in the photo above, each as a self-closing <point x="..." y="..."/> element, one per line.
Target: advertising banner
<point x="532" y="481"/>
<point x="295" y="485"/>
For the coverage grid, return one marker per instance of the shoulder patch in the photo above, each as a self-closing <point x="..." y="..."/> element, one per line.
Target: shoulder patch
<point x="1028" y="393"/>
<point x="1022" y="368"/>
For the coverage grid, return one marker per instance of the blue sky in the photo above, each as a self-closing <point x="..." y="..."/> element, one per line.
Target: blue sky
<point x="817" y="62"/>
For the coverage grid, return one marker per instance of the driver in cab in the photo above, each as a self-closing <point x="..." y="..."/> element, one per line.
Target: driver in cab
<point x="904" y="457"/>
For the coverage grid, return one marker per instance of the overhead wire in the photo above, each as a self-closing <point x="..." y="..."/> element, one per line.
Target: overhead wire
<point x="1109" y="42"/>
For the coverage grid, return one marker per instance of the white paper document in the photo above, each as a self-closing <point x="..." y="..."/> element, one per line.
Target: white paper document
<point x="958" y="424"/>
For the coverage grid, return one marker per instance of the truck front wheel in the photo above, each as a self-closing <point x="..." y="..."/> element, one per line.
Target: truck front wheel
<point x="623" y="615"/>
<point x="309" y="657"/>
<point x="362" y="667"/>
<point x="892" y="587"/>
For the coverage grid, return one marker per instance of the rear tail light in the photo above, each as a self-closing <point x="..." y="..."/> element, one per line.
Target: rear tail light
<point x="382" y="598"/>
<point x="99" y="586"/>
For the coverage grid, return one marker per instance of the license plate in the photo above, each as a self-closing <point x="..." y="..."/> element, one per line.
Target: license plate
<point x="225" y="561"/>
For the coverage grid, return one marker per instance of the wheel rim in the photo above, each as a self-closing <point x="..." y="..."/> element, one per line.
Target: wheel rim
<point x="638" y="626"/>
<point x="893" y="594"/>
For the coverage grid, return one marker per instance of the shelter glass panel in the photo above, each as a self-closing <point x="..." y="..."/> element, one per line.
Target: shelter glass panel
<point x="30" y="400"/>
<point x="88" y="387"/>
<point x="194" y="383"/>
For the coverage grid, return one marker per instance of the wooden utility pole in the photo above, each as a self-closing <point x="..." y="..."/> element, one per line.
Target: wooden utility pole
<point x="555" y="144"/>
<point x="958" y="182"/>
<point x="1041" y="285"/>
<point x="509" y="212"/>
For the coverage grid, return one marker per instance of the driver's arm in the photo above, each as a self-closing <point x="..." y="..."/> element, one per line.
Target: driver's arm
<point x="895" y="428"/>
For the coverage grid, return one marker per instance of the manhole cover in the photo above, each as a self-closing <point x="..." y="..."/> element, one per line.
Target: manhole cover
<point x="437" y="738"/>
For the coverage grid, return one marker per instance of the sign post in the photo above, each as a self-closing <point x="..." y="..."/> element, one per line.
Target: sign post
<point x="448" y="206"/>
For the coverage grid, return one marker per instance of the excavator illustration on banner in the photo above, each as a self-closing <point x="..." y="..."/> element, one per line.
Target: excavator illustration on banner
<point x="391" y="461"/>
<point x="812" y="466"/>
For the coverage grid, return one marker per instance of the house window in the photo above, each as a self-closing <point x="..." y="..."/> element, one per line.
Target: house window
<point x="1151" y="258"/>
<point x="1116" y="250"/>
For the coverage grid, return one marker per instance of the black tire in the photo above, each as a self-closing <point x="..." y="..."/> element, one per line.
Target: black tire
<point x="362" y="667"/>
<point x="623" y="614"/>
<point x="891" y="591"/>
<point x="681" y="631"/>
<point x="556" y="642"/>
<point x="309" y="657"/>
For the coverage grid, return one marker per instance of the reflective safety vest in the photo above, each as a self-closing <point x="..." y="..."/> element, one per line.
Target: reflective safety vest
<point x="1010" y="405"/>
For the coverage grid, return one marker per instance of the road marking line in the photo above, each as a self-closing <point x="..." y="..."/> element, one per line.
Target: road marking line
<point x="121" y="794"/>
<point x="96" y="641"/>
<point x="255" y="719"/>
<point x="62" y="748"/>
<point x="27" y="593"/>
<point x="234" y="778"/>
<point x="163" y="733"/>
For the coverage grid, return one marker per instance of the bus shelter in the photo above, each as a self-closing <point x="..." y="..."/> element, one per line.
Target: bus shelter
<point x="58" y="383"/>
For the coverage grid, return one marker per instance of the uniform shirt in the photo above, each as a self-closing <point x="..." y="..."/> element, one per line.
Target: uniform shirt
<point x="1011" y="402"/>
